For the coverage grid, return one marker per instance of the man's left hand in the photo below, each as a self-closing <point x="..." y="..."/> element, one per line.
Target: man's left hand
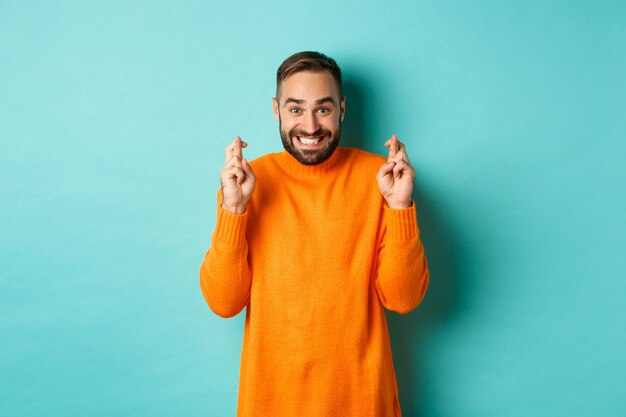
<point x="395" y="178"/>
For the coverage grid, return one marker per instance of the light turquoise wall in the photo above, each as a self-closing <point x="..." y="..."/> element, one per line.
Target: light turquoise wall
<point x="113" y="118"/>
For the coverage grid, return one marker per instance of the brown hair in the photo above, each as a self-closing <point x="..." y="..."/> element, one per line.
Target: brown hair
<point x="308" y="61"/>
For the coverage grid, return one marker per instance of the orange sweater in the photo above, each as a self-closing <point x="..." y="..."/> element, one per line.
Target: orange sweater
<point x="314" y="258"/>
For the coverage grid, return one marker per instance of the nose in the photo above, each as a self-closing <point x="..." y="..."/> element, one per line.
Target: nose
<point x="310" y="124"/>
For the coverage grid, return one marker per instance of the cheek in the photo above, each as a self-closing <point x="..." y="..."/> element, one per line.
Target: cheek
<point x="287" y="124"/>
<point x="333" y="124"/>
<point x="290" y="122"/>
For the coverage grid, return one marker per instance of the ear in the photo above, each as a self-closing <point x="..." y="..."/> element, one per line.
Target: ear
<point x="343" y="107"/>
<point x="275" y="107"/>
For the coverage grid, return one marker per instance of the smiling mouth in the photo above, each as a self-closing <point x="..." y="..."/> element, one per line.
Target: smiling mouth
<point x="311" y="140"/>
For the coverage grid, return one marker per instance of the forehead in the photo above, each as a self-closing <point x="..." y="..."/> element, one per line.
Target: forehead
<point x="309" y="86"/>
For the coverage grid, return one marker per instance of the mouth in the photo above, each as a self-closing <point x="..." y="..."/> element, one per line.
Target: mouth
<point x="310" y="142"/>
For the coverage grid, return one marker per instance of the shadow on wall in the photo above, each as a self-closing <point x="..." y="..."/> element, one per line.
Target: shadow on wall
<point x="412" y="333"/>
<point x="356" y="128"/>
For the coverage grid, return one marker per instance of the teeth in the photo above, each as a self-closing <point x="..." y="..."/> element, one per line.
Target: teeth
<point x="309" y="141"/>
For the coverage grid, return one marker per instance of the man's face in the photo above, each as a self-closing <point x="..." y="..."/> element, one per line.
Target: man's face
<point x="309" y="110"/>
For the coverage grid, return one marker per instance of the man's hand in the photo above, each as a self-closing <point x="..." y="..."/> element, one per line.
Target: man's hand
<point x="237" y="178"/>
<point x="395" y="178"/>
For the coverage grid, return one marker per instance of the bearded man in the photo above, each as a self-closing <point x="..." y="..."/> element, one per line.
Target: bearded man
<point x="315" y="241"/>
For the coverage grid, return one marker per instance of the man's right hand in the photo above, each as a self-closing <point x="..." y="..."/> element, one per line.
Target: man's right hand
<point x="237" y="178"/>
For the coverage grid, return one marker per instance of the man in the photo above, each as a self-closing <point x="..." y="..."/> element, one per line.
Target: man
<point x="315" y="241"/>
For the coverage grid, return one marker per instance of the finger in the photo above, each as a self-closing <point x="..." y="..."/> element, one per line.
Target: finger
<point x="241" y="176"/>
<point x="399" y="169"/>
<point x="231" y="148"/>
<point x="237" y="148"/>
<point x="228" y="151"/>
<point x="385" y="169"/>
<point x="404" y="169"/>
<point x="392" y="144"/>
<point x="401" y="156"/>
<point x="235" y="173"/>
<point x="405" y="154"/>
<point x="234" y="161"/>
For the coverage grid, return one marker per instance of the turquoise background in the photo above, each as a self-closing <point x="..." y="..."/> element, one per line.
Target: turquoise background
<point x="113" y="120"/>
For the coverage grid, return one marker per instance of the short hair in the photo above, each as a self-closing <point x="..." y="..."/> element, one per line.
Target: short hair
<point x="308" y="61"/>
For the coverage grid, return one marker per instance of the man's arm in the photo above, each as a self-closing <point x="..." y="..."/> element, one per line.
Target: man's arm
<point x="402" y="271"/>
<point x="224" y="273"/>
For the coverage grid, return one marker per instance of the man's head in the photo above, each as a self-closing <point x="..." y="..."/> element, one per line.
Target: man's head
<point x="309" y="106"/>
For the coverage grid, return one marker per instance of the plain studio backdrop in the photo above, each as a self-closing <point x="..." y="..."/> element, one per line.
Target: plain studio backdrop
<point x="113" y="120"/>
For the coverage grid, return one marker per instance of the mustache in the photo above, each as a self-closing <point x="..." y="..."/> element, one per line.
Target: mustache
<point x="319" y="132"/>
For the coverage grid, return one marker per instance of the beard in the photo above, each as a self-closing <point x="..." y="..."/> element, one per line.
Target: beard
<point x="310" y="156"/>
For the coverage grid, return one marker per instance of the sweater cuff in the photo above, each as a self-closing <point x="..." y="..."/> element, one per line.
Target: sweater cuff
<point x="401" y="223"/>
<point x="230" y="228"/>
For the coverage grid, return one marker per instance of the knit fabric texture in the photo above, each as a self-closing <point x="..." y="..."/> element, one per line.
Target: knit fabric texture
<point x="315" y="259"/>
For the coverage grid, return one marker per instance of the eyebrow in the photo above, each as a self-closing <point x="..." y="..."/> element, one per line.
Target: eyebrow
<point x="320" y="101"/>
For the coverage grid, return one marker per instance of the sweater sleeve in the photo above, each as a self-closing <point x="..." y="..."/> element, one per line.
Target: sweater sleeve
<point x="402" y="271"/>
<point x="224" y="272"/>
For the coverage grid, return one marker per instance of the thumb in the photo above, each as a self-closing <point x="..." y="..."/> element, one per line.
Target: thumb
<point x="386" y="168"/>
<point x="247" y="168"/>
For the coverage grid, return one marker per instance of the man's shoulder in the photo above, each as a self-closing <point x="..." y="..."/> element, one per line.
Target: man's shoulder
<point x="265" y="160"/>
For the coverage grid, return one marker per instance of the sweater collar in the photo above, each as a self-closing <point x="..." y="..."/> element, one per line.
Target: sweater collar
<point x="292" y="165"/>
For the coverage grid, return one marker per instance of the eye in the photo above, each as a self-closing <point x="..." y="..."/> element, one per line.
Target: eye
<point x="323" y="110"/>
<point x="294" y="110"/>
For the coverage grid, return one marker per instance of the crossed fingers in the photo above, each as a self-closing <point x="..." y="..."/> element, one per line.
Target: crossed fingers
<point x="397" y="151"/>
<point x="233" y="157"/>
<point x="233" y="152"/>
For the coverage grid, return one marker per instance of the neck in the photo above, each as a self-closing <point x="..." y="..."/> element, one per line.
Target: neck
<point x="291" y="164"/>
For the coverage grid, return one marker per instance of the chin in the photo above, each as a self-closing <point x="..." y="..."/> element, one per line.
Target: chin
<point x="312" y="156"/>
